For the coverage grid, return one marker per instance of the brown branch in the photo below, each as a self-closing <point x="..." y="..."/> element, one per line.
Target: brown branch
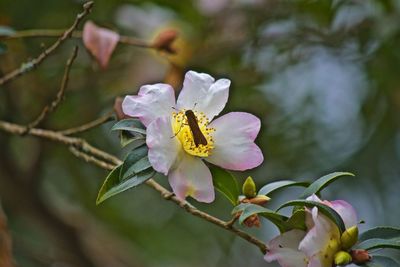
<point x="6" y="259"/>
<point x="123" y="39"/>
<point x="85" y="127"/>
<point x="25" y="67"/>
<point x="101" y="158"/>
<point x="60" y="94"/>
<point x="91" y="159"/>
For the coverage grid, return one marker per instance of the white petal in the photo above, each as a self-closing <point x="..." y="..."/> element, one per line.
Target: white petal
<point x="202" y="94"/>
<point x="152" y="101"/>
<point x="284" y="250"/>
<point x="319" y="237"/>
<point x="191" y="177"/>
<point x="234" y="141"/>
<point x="163" y="149"/>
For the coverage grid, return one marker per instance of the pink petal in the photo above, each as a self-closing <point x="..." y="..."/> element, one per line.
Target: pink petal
<point x="101" y="42"/>
<point x="346" y="211"/>
<point x="201" y="93"/>
<point x="283" y="249"/>
<point x="234" y="141"/>
<point x="163" y="150"/>
<point x="191" y="177"/>
<point x="152" y="101"/>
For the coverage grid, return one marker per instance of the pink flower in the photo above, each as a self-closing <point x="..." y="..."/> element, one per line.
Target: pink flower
<point x="317" y="246"/>
<point x="172" y="150"/>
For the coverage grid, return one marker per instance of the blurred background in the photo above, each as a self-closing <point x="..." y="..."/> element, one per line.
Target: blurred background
<point x="322" y="75"/>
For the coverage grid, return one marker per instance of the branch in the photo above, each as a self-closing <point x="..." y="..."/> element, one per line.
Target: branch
<point x="6" y="259"/>
<point x="25" y="67"/>
<point x="85" y="127"/>
<point x="123" y="39"/>
<point x="83" y="150"/>
<point x="60" y="95"/>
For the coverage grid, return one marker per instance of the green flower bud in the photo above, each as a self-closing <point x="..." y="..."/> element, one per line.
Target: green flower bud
<point x="349" y="237"/>
<point x="249" y="188"/>
<point x="342" y="258"/>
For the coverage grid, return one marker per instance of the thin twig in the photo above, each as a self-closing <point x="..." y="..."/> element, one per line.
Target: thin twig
<point x="60" y="94"/>
<point x="88" y="149"/>
<point x="25" y="67"/>
<point x="123" y="39"/>
<point x="90" y="159"/>
<point x="85" y="127"/>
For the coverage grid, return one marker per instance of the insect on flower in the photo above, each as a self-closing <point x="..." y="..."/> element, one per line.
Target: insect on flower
<point x="196" y="135"/>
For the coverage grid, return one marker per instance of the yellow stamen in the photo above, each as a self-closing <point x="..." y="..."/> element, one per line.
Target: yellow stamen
<point x="181" y="130"/>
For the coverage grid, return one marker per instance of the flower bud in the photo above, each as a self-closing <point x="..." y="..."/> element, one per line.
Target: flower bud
<point x="164" y="40"/>
<point x="360" y="256"/>
<point x="253" y="220"/>
<point x="342" y="258"/>
<point x="259" y="200"/>
<point x="349" y="237"/>
<point x="249" y="188"/>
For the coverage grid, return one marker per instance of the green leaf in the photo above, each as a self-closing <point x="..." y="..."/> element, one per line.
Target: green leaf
<point x="379" y="243"/>
<point x="272" y="187"/>
<point x="134" y="141"/>
<point x="131" y="125"/>
<point x="6" y="31"/>
<point x="248" y="209"/>
<point x="383" y="232"/>
<point x="297" y="220"/>
<point x="382" y="261"/>
<point x="327" y="211"/>
<point x="323" y="182"/>
<point x="135" y="162"/>
<point x="226" y="183"/>
<point x="113" y="185"/>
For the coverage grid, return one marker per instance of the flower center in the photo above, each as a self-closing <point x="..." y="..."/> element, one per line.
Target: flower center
<point x="182" y="130"/>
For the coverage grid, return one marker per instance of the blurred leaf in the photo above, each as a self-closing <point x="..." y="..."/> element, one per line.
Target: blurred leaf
<point x="272" y="187"/>
<point x="248" y="209"/>
<point x="382" y="261"/>
<point x="226" y="183"/>
<point x="100" y="42"/>
<point x="6" y="31"/>
<point x="3" y="48"/>
<point x="383" y="232"/>
<point x="131" y="125"/>
<point x="327" y="211"/>
<point x="323" y="182"/>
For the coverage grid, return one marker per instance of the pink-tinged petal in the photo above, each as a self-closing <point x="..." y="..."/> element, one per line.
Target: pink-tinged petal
<point x="100" y="42"/>
<point x="152" y="101"/>
<point x="321" y="241"/>
<point x="234" y="141"/>
<point x="346" y="211"/>
<point x="191" y="177"/>
<point x="343" y="208"/>
<point x="283" y="249"/>
<point x="202" y="94"/>
<point x="163" y="150"/>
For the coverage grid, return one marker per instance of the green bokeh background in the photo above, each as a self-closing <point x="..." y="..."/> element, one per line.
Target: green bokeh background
<point x="323" y="76"/>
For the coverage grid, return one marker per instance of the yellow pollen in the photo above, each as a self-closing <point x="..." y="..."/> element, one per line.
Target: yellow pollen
<point x="181" y="130"/>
